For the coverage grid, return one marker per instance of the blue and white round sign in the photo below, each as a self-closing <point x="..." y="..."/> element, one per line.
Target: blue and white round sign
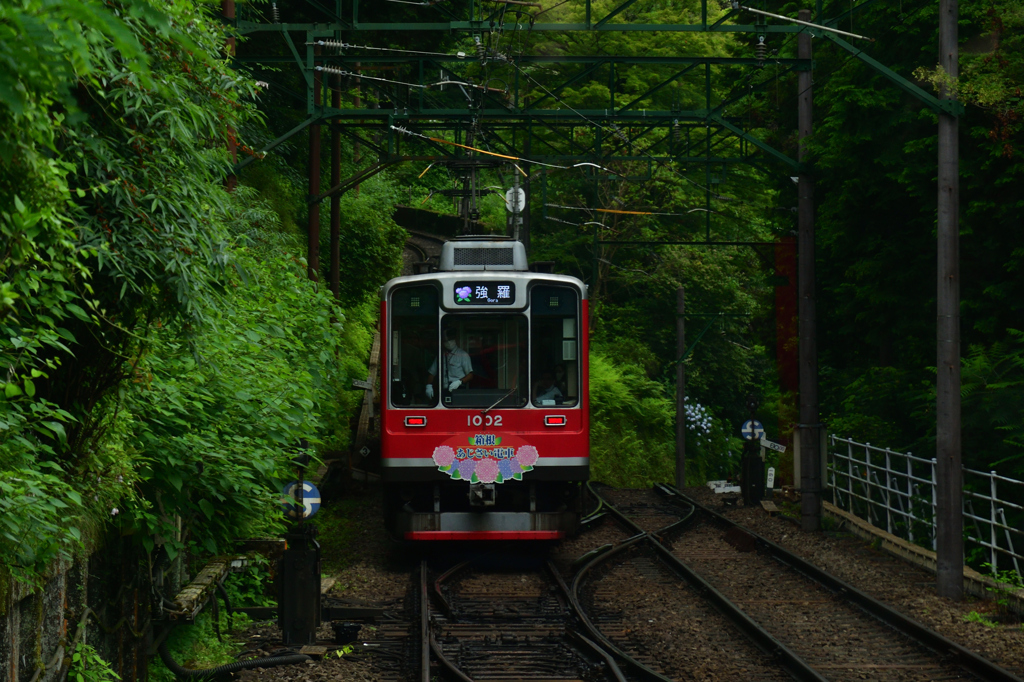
<point x="752" y="430"/>
<point x="310" y="500"/>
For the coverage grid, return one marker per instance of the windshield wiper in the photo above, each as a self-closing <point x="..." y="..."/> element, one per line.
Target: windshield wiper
<point x="510" y="392"/>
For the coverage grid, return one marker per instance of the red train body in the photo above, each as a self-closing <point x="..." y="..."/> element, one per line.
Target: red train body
<point x="504" y="454"/>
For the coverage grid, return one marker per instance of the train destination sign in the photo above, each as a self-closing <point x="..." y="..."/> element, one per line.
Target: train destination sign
<point x="487" y="292"/>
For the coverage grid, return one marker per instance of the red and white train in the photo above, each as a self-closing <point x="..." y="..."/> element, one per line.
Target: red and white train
<point x="485" y="421"/>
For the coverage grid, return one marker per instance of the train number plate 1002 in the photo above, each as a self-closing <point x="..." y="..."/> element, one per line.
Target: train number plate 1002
<point x="483" y="420"/>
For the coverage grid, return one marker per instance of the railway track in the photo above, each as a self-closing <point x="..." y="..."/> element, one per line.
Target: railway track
<point x="504" y="625"/>
<point x="800" y="621"/>
<point x="665" y="589"/>
<point x="420" y="247"/>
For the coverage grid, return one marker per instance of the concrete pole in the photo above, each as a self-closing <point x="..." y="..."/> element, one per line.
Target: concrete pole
<point x="680" y="389"/>
<point x="810" y="429"/>
<point x="313" y="226"/>
<point x="336" y="197"/>
<point x="949" y="495"/>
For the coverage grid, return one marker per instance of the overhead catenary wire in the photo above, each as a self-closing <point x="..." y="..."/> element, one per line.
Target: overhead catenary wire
<point x="462" y="55"/>
<point x="441" y="140"/>
<point x="737" y="5"/>
<point x="500" y="58"/>
<point x="342" y="45"/>
<point x="627" y="212"/>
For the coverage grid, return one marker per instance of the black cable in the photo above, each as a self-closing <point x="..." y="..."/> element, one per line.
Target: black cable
<point x="227" y="605"/>
<point x="216" y="618"/>
<point x="183" y="673"/>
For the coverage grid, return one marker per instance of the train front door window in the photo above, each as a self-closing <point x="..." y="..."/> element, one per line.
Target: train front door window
<point x="554" y="318"/>
<point x="414" y="336"/>
<point x="494" y="348"/>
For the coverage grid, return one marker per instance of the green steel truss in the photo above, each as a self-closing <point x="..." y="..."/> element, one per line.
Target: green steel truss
<point x="512" y="103"/>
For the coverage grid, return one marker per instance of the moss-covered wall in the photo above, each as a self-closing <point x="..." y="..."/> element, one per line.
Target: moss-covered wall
<point x="38" y="624"/>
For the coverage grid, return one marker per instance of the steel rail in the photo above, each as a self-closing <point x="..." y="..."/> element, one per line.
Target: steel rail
<point x="452" y="668"/>
<point x="593" y="646"/>
<point x="588" y="624"/>
<point x="428" y="639"/>
<point x="425" y="636"/>
<point x="445" y="604"/>
<point x="761" y="638"/>
<point x="581" y="641"/>
<point x="942" y="646"/>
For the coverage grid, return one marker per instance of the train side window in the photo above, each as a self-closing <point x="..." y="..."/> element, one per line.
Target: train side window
<point x="413" y="313"/>
<point x="554" y="334"/>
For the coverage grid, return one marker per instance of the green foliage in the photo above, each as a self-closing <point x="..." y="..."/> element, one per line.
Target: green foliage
<point x="1008" y="582"/>
<point x="88" y="666"/>
<point x="993" y="402"/>
<point x="337" y="528"/>
<point x="214" y="422"/>
<point x="991" y="69"/>
<point x="975" y="617"/>
<point x="631" y="427"/>
<point x="35" y="502"/>
<point x="372" y="241"/>
<point x="251" y="587"/>
<point x="129" y="323"/>
<point x="876" y="221"/>
<point x="198" y="647"/>
<point x="45" y="51"/>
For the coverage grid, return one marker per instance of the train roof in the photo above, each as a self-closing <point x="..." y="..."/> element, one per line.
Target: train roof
<point x="483" y="258"/>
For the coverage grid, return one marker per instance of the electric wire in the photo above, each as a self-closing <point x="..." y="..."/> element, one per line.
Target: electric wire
<point x="513" y="63"/>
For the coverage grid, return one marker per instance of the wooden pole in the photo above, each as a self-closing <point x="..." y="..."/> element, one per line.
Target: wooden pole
<point x="949" y="494"/>
<point x="810" y="429"/>
<point x="680" y="389"/>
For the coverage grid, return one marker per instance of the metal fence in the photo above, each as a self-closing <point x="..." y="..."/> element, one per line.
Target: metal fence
<point x="896" y="491"/>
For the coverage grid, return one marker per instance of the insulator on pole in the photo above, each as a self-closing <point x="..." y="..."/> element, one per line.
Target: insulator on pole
<point x="332" y="43"/>
<point x="481" y="51"/>
<point x="760" y="51"/>
<point x="676" y="132"/>
<point x="275" y="13"/>
<point x="331" y="69"/>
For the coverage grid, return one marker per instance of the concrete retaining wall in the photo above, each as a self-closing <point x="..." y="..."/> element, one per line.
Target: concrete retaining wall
<point x="975" y="583"/>
<point x="106" y="594"/>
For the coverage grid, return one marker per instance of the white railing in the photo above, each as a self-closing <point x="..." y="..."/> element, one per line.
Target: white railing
<point x="896" y="491"/>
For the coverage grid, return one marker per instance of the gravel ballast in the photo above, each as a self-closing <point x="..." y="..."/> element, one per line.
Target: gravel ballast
<point x="378" y="572"/>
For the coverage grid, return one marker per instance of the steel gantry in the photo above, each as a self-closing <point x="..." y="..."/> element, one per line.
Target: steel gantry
<point x="479" y="99"/>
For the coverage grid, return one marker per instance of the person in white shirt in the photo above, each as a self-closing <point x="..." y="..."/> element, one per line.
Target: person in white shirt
<point x="457" y="370"/>
<point x="547" y="393"/>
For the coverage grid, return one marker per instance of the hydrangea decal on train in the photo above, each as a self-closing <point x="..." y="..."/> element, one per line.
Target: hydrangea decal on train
<point x="485" y="458"/>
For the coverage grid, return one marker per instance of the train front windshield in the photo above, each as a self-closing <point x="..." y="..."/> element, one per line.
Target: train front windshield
<point x="496" y="347"/>
<point x="485" y="356"/>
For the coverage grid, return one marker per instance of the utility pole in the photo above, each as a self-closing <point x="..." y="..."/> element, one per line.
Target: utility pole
<point x="809" y="427"/>
<point x="336" y="197"/>
<point x="950" y="523"/>
<point x="680" y="389"/>
<point x="524" y="217"/>
<point x="516" y="222"/>
<point x="313" y="226"/>
<point x="227" y="8"/>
